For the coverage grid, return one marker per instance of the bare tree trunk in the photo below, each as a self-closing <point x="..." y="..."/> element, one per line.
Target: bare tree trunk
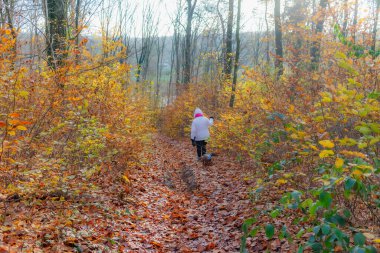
<point x="194" y="39"/>
<point x="37" y="45"/>
<point x="148" y="32"/>
<point x="160" y="56"/>
<point x="345" y="18"/>
<point x="140" y="61"/>
<point x="77" y="31"/>
<point x="315" y="48"/>
<point x="201" y="50"/>
<point x="178" y="62"/>
<point x="187" y="66"/>
<point x="355" y="22"/>
<point x="223" y="32"/>
<point x="374" y="33"/>
<point x="237" y="55"/>
<point x="228" y="57"/>
<point x="267" y="32"/>
<point x="278" y="63"/>
<point x="56" y="34"/>
<point x="172" y="59"/>
<point x="2" y="18"/>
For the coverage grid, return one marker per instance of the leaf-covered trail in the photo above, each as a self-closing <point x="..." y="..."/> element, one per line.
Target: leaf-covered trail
<point x="170" y="218"/>
<point x="154" y="213"/>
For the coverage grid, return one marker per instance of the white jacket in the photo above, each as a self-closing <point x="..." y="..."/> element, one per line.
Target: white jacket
<point x="199" y="127"/>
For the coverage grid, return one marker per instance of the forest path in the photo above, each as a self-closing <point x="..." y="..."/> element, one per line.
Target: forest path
<point x="151" y="210"/>
<point x="175" y="219"/>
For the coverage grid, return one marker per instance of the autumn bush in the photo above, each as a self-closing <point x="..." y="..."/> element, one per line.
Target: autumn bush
<point x="322" y="141"/>
<point x="70" y="122"/>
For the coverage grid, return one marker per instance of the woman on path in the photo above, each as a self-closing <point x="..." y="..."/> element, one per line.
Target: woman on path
<point x="199" y="131"/>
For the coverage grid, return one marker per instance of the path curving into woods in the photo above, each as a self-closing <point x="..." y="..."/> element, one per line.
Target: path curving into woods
<point x="176" y="219"/>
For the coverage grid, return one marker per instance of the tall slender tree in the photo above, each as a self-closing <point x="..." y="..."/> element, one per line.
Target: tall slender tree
<point x="374" y="33"/>
<point x="355" y="21"/>
<point x="345" y="17"/>
<point x="237" y="54"/>
<point x="267" y="32"/>
<point x="144" y="44"/>
<point x="77" y="30"/>
<point x="222" y="26"/>
<point x="315" y="48"/>
<point x="187" y="66"/>
<point x="227" y="70"/>
<point x="278" y="63"/>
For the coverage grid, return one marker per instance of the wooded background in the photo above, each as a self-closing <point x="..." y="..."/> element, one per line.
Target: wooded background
<point x="89" y="89"/>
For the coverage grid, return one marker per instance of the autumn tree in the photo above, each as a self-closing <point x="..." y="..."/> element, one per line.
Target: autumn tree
<point x="7" y="19"/>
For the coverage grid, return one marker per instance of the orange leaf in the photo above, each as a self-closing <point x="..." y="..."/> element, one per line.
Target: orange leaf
<point x="157" y="244"/>
<point x="14" y="122"/>
<point x="2" y="123"/>
<point x="211" y="246"/>
<point x="14" y="115"/>
<point x="24" y="123"/>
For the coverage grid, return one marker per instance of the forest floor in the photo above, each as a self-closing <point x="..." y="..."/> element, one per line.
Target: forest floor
<point x="155" y="212"/>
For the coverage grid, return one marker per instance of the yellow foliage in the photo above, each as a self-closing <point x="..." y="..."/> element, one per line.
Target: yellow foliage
<point x="79" y="117"/>
<point x="353" y="154"/>
<point x="126" y="179"/>
<point x="327" y="143"/>
<point x="339" y="163"/>
<point x="326" y="153"/>
<point x="281" y="181"/>
<point x="22" y="128"/>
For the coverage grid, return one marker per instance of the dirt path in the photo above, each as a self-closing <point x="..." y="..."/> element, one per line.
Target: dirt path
<point x="174" y="219"/>
<point x="156" y="212"/>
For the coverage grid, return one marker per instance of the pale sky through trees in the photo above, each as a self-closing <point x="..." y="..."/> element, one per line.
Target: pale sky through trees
<point x="252" y="15"/>
<point x="253" y="12"/>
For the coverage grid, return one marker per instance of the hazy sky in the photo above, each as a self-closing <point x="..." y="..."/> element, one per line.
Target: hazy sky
<point x="253" y="12"/>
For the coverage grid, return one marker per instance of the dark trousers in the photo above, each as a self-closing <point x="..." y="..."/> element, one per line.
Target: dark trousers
<point x="201" y="148"/>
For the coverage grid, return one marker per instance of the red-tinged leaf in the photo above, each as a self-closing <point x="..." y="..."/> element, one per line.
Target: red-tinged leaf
<point x="24" y="122"/>
<point x="194" y="236"/>
<point x="3" y="249"/>
<point x="211" y="246"/>
<point x="2" y="123"/>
